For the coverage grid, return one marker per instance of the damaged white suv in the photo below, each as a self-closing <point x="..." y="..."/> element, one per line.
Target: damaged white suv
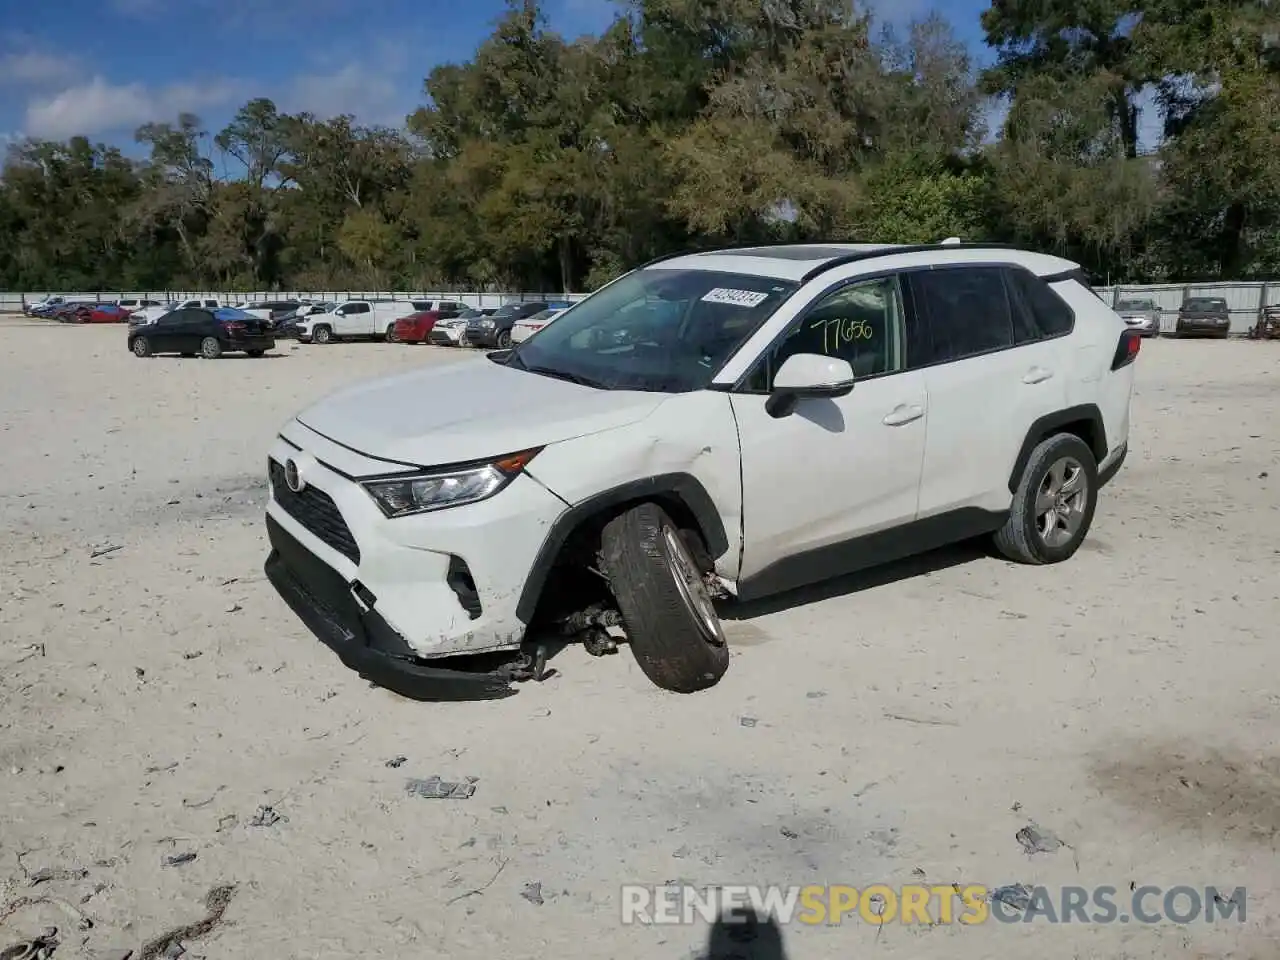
<point x="713" y="425"/>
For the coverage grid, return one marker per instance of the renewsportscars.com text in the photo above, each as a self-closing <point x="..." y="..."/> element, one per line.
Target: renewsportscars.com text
<point x="935" y="904"/>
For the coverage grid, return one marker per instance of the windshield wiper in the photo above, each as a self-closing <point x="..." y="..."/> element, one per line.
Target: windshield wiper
<point x="563" y="375"/>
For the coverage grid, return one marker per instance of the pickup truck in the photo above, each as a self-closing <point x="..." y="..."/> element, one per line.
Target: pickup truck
<point x="1204" y="317"/>
<point x="362" y="319"/>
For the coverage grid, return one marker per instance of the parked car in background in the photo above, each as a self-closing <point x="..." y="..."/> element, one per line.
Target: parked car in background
<point x="272" y="311"/>
<point x="288" y="326"/>
<point x="208" y="332"/>
<point x="495" y="330"/>
<point x="1204" y="317"/>
<point x="1268" y="325"/>
<point x="109" y="313"/>
<point x="133" y="304"/>
<point x="352" y="319"/>
<point x="1140" y="315"/>
<point x="151" y="314"/>
<point x="453" y="332"/>
<point x="522" y="330"/>
<point x="43" y="308"/>
<point x="416" y="327"/>
<point x="77" y="312"/>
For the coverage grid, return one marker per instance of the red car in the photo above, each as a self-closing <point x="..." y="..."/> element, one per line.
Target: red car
<point x="109" y="313"/>
<point x="414" y="328"/>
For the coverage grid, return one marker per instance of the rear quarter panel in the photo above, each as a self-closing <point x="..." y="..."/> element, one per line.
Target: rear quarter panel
<point x="1093" y="345"/>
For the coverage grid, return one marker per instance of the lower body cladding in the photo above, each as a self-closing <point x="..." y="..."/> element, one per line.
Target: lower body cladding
<point x="393" y="596"/>
<point x="445" y="336"/>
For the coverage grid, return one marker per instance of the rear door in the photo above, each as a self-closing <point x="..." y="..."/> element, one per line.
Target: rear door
<point x="990" y="373"/>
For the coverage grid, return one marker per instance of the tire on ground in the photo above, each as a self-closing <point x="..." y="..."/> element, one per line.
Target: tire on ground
<point x="663" y="632"/>
<point x="1019" y="539"/>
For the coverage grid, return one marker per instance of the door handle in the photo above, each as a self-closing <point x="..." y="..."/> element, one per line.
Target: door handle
<point x="903" y="413"/>
<point x="1037" y="375"/>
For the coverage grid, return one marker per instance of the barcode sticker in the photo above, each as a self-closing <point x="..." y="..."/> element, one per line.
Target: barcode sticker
<point x="736" y="298"/>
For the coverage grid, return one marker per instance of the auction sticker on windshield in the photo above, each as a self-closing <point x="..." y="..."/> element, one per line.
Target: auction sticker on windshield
<point x="736" y="298"/>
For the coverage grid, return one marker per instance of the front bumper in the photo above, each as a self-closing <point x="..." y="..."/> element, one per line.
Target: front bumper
<point x="1203" y="328"/>
<point x="482" y="336"/>
<point x="446" y="582"/>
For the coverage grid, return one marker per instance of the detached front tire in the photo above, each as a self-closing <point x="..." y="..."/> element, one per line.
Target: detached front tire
<point x="671" y="623"/>
<point x="1053" y="506"/>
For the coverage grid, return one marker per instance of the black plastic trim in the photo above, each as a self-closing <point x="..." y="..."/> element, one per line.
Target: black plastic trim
<point x="1105" y="476"/>
<point x="682" y="486"/>
<point x="1053" y="423"/>
<point x="872" y="550"/>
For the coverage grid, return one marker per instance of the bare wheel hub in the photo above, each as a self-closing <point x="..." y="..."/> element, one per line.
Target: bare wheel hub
<point x="693" y="588"/>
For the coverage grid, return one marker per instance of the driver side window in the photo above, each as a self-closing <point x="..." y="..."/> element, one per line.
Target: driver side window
<point x="861" y="323"/>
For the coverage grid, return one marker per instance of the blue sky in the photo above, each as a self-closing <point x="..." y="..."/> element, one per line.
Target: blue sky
<point x="103" y="67"/>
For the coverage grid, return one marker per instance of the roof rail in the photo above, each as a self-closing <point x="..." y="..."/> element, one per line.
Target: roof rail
<point x="895" y="251"/>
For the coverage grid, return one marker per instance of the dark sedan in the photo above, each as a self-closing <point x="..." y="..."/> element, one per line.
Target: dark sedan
<point x="495" y="330"/>
<point x="207" y="332"/>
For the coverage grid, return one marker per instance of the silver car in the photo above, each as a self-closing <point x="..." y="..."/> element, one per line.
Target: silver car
<point x="1140" y="315"/>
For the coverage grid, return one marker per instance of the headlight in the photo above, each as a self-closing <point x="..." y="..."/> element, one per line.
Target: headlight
<point x="486" y="323"/>
<point x="435" y="490"/>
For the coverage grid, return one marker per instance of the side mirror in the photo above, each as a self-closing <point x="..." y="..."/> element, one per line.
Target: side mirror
<point x="340" y="312"/>
<point x="805" y="376"/>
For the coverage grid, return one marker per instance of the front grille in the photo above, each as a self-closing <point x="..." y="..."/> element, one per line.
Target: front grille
<point x="315" y="510"/>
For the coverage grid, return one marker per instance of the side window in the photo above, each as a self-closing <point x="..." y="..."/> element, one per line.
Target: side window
<point x="356" y="308"/>
<point x="968" y="310"/>
<point x="862" y="323"/>
<point x="211" y="304"/>
<point x="1038" y="312"/>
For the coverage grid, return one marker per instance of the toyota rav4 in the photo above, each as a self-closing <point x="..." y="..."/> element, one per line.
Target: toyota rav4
<point x="712" y="426"/>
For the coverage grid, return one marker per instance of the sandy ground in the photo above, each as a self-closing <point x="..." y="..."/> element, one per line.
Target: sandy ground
<point x="881" y="730"/>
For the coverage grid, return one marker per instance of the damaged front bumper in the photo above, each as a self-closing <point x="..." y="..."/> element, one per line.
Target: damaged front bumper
<point x="366" y="643"/>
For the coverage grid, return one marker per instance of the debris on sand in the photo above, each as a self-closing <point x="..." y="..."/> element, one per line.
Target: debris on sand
<point x="265" y="817"/>
<point x="433" y="788"/>
<point x="103" y="551"/>
<point x="41" y="948"/>
<point x="1016" y="895"/>
<point x="533" y="893"/>
<point x="47" y="874"/>
<point x="396" y="762"/>
<point x="215" y="901"/>
<point x="747" y="721"/>
<point x="1036" y="839"/>
<point x="179" y="859"/>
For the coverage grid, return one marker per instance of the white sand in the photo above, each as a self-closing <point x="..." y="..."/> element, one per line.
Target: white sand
<point x="1126" y="701"/>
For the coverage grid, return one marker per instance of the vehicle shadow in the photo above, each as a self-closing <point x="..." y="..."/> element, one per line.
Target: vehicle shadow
<point x="743" y="934"/>
<point x="935" y="560"/>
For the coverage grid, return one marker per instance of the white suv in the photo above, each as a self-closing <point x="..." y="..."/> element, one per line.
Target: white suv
<point x="732" y="424"/>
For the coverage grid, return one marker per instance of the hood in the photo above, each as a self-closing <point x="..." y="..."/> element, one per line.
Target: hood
<point x="468" y="411"/>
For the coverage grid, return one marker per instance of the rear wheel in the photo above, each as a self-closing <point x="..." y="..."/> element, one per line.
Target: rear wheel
<point x="141" y="347"/>
<point x="210" y="348"/>
<point x="322" y="335"/>
<point x="671" y="623"/>
<point x="1054" y="503"/>
<point x="504" y="339"/>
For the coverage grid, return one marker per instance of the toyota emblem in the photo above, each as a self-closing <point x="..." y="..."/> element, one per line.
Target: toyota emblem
<point x="291" y="478"/>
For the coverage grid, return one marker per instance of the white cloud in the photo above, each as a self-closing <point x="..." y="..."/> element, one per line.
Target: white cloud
<point x="32" y="68"/>
<point x="373" y="97"/>
<point x="102" y="107"/>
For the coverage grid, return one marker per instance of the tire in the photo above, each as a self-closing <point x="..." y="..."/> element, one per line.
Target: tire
<point x="504" y="339"/>
<point x="256" y="353"/>
<point x="391" y="334"/>
<point x="678" y="646"/>
<point x="210" y="348"/>
<point x="321" y="334"/>
<point x="141" y="347"/>
<point x="1030" y="535"/>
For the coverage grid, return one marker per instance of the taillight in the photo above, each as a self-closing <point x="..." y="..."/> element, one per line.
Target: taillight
<point x="1126" y="350"/>
<point x="234" y="326"/>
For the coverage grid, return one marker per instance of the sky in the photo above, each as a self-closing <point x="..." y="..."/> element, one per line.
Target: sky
<point x="101" y="68"/>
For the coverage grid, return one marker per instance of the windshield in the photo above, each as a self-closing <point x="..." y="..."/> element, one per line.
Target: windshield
<point x="1206" y="303"/>
<point x="659" y="330"/>
<point x="469" y="314"/>
<point x="1136" y="305"/>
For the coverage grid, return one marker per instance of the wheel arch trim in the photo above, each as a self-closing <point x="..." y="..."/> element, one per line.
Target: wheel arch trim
<point x="683" y="488"/>
<point x="1053" y="423"/>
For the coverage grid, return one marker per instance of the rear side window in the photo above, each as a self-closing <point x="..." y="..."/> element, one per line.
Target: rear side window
<point x="968" y="311"/>
<point x="1038" y="312"/>
<point x="211" y="304"/>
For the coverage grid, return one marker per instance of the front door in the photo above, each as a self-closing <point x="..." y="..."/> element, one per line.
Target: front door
<point x="354" y="320"/>
<point x="835" y="469"/>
